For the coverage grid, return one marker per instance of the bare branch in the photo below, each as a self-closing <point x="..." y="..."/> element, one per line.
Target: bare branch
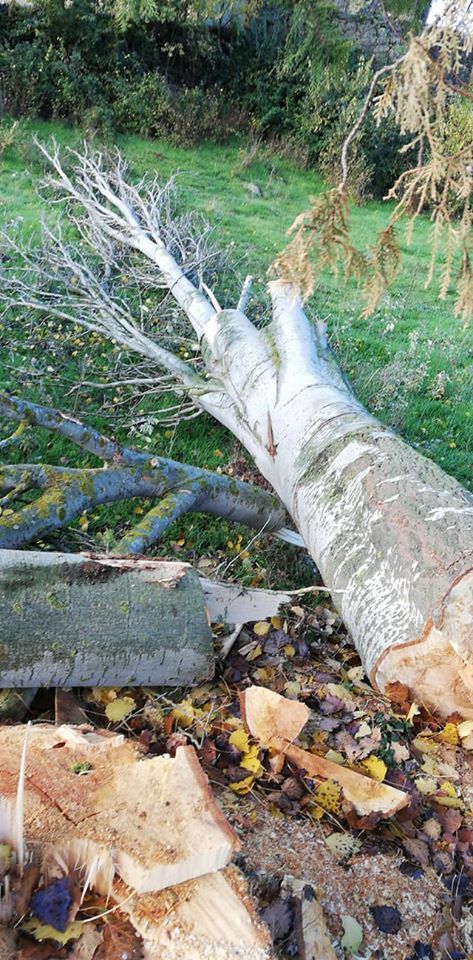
<point x="245" y="294"/>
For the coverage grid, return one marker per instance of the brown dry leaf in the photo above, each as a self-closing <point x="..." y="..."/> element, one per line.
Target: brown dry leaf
<point x="86" y="947"/>
<point x="399" y="694"/>
<point x="30" y="950"/>
<point x="119" y="939"/>
<point x="418" y="849"/>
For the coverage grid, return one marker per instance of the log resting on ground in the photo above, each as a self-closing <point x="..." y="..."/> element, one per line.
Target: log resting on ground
<point x="74" y="620"/>
<point x="390" y="532"/>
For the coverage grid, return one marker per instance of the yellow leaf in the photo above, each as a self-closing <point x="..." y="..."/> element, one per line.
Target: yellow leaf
<point x="426" y="785"/>
<point x="120" y="708"/>
<point x="327" y="796"/>
<point x="243" y="786"/>
<point x="449" y="734"/>
<point x="413" y="712"/>
<point x="289" y="650"/>
<point x="430" y="766"/>
<point x="276" y="622"/>
<point x="262" y="675"/>
<point x="292" y="689"/>
<point x="335" y="757"/>
<point x="465" y="729"/>
<point x="251" y="762"/>
<point x="239" y="739"/>
<point x="255" y="653"/>
<point x="375" y="768"/>
<point x="338" y="690"/>
<point x="448" y="789"/>
<point x="454" y="802"/>
<point x="343" y="844"/>
<point x="103" y="694"/>
<point x="183" y="713"/>
<point x="364" y="730"/>
<point x="44" y="931"/>
<point x="424" y="744"/>
<point x="261" y="628"/>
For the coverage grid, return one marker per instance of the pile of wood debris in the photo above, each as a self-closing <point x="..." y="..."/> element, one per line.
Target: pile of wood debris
<point x="283" y="809"/>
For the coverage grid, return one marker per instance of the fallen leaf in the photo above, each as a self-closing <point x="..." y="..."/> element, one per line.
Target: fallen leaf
<point x="375" y="768"/>
<point x="364" y="730"/>
<point x="387" y="919"/>
<point x="449" y="734"/>
<point x="279" y="917"/>
<point x="343" y="845"/>
<point x="239" y="739"/>
<point x="465" y="729"/>
<point x="120" y="708"/>
<point x="261" y="628"/>
<point x="399" y="694"/>
<point x="418" y="849"/>
<point x="353" y="934"/>
<point x="44" y="931"/>
<point x="413" y="712"/>
<point x="426" y="785"/>
<point x="119" y="940"/>
<point x="400" y="752"/>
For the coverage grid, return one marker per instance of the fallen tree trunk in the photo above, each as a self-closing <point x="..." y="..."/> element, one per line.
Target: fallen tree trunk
<point x="73" y="620"/>
<point x="390" y="532"/>
<point x="69" y="619"/>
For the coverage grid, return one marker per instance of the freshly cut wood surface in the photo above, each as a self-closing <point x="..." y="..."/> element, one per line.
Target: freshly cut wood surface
<point x="366" y="795"/>
<point x="211" y="917"/>
<point x="277" y="721"/>
<point x="153" y="821"/>
<point x="267" y="715"/>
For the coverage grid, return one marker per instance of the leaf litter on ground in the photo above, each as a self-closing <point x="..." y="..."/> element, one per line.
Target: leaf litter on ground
<point x="305" y="657"/>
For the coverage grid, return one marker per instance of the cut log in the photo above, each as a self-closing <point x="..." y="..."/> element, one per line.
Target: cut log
<point x="276" y="721"/>
<point x="73" y="620"/>
<point x="152" y="821"/>
<point x="210" y="917"/>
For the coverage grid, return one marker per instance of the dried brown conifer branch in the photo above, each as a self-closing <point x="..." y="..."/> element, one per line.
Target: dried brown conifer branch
<point x="416" y="92"/>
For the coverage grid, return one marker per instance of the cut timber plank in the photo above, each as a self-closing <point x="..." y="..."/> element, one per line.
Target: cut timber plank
<point x="276" y="721"/>
<point x="153" y="821"/>
<point x="76" y="620"/>
<point x="267" y="715"/>
<point x="210" y="918"/>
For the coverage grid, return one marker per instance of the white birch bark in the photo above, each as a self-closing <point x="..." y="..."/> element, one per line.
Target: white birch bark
<point x="390" y="532"/>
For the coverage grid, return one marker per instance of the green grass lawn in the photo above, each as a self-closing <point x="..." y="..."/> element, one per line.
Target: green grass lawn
<point x="411" y="362"/>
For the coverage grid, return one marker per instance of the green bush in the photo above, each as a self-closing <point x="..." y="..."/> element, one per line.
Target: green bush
<point x="287" y="75"/>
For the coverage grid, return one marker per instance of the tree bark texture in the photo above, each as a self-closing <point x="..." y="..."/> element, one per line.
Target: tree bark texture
<point x="72" y="620"/>
<point x="390" y="532"/>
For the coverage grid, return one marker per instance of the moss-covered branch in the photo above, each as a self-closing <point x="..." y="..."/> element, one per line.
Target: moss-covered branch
<point x="66" y="493"/>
